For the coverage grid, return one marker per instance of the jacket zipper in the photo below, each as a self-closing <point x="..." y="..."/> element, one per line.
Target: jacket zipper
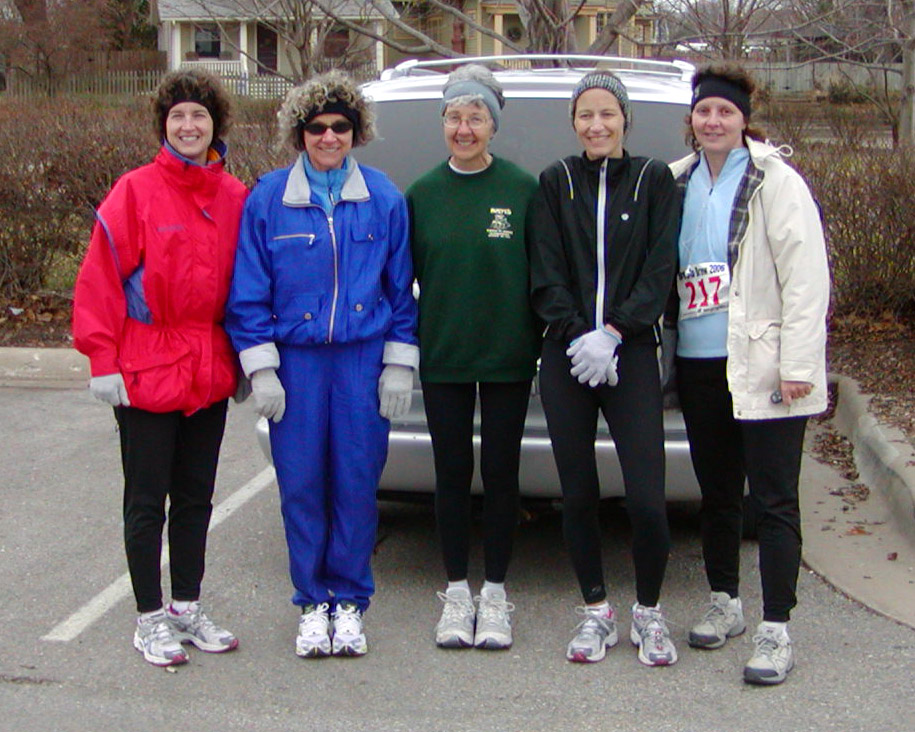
<point x="333" y="244"/>
<point x="601" y="247"/>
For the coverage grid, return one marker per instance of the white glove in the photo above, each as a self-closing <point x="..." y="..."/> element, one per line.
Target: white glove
<point x="594" y="357"/>
<point x="395" y="391"/>
<point x="269" y="394"/>
<point x="110" y="388"/>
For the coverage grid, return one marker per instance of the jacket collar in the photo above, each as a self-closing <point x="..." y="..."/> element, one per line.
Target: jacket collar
<point x="202" y="180"/>
<point x="298" y="190"/>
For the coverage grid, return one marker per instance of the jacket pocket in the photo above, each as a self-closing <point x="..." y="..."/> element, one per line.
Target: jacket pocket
<point x="300" y="321"/>
<point x="763" y="355"/>
<point x="157" y="365"/>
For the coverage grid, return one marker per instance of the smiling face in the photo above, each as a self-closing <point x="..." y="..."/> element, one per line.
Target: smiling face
<point x="189" y="130"/>
<point x="468" y="128"/>
<point x="599" y="124"/>
<point x="718" y="125"/>
<point x="327" y="150"/>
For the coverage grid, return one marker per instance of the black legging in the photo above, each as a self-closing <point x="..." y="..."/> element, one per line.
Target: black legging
<point x="727" y="453"/>
<point x="175" y="456"/>
<point x="449" y="411"/>
<point x="634" y="414"/>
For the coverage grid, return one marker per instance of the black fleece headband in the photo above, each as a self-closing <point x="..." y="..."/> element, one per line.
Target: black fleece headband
<point x="717" y="86"/>
<point x="334" y="107"/>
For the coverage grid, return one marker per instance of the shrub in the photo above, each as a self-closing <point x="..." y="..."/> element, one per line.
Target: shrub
<point x="865" y="195"/>
<point x="58" y="159"/>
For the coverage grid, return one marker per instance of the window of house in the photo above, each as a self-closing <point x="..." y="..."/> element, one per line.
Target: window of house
<point x="207" y="40"/>
<point x="336" y="42"/>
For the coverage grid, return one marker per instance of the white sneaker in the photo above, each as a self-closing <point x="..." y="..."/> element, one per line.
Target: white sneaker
<point x="155" y="638"/>
<point x="193" y="626"/>
<point x="649" y="632"/>
<point x="593" y="636"/>
<point x="494" y="625"/>
<point x="773" y="657"/>
<point x="722" y="620"/>
<point x="349" y="639"/>
<point x="455" y="628"/>
<point x="313" y="639"/>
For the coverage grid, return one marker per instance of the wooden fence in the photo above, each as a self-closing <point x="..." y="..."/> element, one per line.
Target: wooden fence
<point x="241" y="83"/>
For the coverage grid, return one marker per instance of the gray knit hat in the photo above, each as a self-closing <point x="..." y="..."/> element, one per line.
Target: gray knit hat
<point x="603" y="80"/>
<point x="474" y="83"/>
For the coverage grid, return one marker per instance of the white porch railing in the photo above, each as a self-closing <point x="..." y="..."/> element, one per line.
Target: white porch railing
<point x="217" y="66"/>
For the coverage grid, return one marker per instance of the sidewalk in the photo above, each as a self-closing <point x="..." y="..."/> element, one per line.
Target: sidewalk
<point x="865" y="549"/>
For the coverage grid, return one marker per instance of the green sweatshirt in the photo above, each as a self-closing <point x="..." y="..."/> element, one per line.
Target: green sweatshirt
<point x="469" y="256"/>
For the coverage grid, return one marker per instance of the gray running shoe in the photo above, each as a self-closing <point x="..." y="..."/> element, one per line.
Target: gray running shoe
<point x="722" y="620"/>
<point x="155" y="639"/>
<point x="455" y="628"/>
<point x="649" y="632"/>
<point x="349" y="639"/>
<point x="313" y="639"/>
<point x="193" y="626"/>
<point x="494" y="624"/>
<point x="772" y="659"/>
<point x="593" y="636"/>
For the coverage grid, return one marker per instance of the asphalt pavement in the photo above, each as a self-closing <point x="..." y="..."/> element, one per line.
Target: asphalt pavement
<point x="66" y="662"/>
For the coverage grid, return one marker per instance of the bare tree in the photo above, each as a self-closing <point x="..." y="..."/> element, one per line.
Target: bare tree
<point x="874" y="35"/>
<point x="720" y="28"/>
<point x="48" y="40"/>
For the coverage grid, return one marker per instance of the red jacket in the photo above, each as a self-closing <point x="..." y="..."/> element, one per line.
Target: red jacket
<point x="150" y="296"/>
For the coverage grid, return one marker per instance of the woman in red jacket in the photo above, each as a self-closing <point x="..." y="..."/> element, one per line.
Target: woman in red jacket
<point x="148" y="310"/>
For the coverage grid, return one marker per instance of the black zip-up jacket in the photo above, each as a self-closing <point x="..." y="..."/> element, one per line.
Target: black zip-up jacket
<point x="641" y="209"/>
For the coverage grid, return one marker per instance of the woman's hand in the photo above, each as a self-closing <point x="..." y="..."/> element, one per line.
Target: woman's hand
<point x="791" y="390"/>
<point x="110" y="389"/>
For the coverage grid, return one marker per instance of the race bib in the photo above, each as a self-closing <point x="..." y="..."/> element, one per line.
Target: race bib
<point x="703" y="289"/>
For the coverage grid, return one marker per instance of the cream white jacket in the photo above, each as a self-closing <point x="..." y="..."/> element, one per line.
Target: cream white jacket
<point x="779" y="293"/>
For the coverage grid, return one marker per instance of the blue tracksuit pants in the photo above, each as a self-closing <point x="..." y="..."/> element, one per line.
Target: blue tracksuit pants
<point x="329" y="451"/>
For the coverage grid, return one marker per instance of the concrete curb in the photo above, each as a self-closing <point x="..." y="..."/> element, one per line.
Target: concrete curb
<point x="883" y="455"/>
<point x="47" y="367"/>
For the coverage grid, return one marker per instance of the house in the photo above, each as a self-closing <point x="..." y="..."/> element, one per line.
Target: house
<point x="502" y="16"/>
<point x="254" y="37"/>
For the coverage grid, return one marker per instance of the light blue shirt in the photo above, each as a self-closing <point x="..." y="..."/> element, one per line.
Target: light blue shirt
<point x="704" y="238"/>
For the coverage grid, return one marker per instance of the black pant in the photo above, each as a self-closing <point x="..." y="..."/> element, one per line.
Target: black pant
<point x="175" y="456"/>
<point x="634" y="414"/>
<point x="449" y="411"/>
<point x="726" y="453"/>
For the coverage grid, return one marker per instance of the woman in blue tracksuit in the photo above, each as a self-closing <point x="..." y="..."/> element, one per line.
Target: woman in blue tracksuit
<point x="322" y="313"/>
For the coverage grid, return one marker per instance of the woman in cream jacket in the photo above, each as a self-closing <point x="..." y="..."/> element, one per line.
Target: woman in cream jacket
<point x="753" y="291"/>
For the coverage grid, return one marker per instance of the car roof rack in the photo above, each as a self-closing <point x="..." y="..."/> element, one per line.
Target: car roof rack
<point x="508" y="62"/>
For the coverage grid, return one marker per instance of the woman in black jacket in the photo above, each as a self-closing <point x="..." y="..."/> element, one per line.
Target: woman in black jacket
<point x="603" y="237"/>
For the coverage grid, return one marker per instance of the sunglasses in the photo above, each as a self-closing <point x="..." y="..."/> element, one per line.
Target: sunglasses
<point x="339" y="127"/>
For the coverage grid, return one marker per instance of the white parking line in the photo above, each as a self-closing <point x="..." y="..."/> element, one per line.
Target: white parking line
<point x="118" y="590"/>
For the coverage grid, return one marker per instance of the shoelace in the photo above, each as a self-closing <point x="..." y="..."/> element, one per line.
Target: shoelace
<point x="766" y="645"/>
<point x="594" y="623"/>
<point x="455" y="609"/>
<point x="347" y="621"/>
<point x="314" y="622"/>
<point x="161" y="632"/>
<point x="494" y="611"/>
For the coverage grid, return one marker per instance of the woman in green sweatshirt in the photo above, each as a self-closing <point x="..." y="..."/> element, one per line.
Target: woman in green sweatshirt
<point x="477" y="334"/>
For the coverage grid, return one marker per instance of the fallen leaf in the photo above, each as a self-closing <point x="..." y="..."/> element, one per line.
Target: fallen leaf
<point x="892" y="556"/>
<point x="858" y="531"/>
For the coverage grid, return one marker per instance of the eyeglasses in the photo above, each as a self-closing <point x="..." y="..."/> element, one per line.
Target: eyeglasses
<point x="474" y="121"/>
<point x="340" y="127"/>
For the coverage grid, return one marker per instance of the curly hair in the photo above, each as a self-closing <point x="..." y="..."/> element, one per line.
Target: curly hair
<point x="737" y="75"/>
<point x="193" y="85"/>
<point x="306" y="101"/>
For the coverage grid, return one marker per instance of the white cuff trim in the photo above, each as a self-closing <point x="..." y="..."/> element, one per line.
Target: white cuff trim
<point x="263" y="356"/>
<point x="401" y="354"/>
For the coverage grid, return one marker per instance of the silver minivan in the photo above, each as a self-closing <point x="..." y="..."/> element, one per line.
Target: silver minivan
<point x="535" y="130"/>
